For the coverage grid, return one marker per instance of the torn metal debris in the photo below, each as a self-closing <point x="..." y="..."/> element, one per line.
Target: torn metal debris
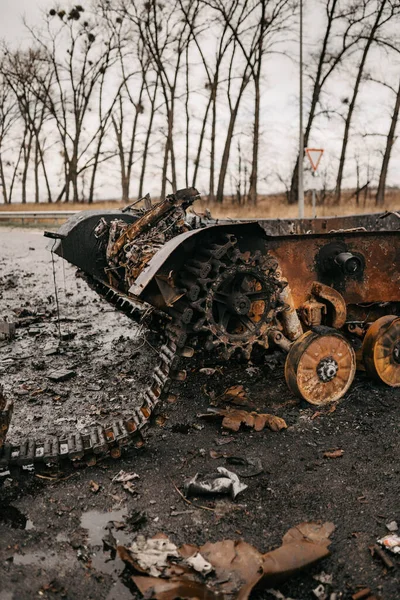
<point x="224" y="570"/>
<point x="222" y="482"/>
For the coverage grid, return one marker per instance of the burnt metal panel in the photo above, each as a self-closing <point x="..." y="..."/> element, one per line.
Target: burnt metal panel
<point x="79" y="245"/>
<point x="380" y="282"/>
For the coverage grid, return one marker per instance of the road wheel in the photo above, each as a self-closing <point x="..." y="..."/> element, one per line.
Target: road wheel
<point x="320" y="366"/>
<point x="381" y="350"/>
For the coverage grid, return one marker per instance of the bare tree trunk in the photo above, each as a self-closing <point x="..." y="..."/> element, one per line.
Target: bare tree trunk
<point x="187" y="119"/>
<point x="352" y="104"/>
<point x="46" y="178"/>
<point x="380" y="195"/>
<point x="37" y="164"/>
<point x="211" y="196"/>
<point x="120" y="146"/>
<point x="147" y="140"/>
<point x="256" y="135"/>
<point x="3" y="182"/>
<point x="165" y="168"/>
<point x="200" y="146"/>
<point x="14" y="175"/>
<point x="228" y="142"/>
<point x="27" y="154"/>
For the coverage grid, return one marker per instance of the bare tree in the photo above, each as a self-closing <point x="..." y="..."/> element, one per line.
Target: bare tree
<point x="378" y="18"/>
<point x="343" y="28"/>
<point x="390" y="139"/>
<point x="165" y="33"/>
<point x="75" y="82"/>
<point x="8" y="118"/>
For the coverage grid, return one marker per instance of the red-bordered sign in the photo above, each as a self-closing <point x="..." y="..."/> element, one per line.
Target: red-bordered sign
<point x="314" y="156"/>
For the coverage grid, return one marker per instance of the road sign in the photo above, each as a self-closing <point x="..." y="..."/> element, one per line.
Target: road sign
<point x="314" y="156"/>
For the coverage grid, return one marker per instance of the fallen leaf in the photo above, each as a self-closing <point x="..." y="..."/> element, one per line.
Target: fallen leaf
<point x="334" y="453"/>
<point x="233" y="419"/>
<point x="94" y="486"/>
<point x="161" y="420"/>
<point x="214" y="454"/>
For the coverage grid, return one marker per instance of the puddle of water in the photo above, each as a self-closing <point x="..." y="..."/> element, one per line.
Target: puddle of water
<point x="96" y="522"/>
<point x="98" y="525"/>
<point x="9" y="515"/>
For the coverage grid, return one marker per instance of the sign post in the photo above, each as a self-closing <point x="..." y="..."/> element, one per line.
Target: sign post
<point x="314" y="156"/>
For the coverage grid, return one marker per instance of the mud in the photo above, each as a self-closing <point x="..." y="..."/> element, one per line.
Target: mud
<point x="51" y="532"/>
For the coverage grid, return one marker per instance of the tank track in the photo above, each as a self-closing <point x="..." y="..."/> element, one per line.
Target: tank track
<point x="188" y="317"/>
<point x="78" y="449"/>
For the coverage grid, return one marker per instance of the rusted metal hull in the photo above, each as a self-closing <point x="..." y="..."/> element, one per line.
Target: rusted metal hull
<point x="243" y="283"/>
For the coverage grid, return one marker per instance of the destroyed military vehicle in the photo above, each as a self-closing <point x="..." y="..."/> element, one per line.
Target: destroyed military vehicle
<point x="326" y="291"/>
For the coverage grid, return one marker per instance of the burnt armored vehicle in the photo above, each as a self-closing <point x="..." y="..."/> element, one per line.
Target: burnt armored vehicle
<point x="326" y="291"/>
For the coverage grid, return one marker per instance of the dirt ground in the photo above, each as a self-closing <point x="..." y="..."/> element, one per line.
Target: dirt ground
<point x="51" y="531"/>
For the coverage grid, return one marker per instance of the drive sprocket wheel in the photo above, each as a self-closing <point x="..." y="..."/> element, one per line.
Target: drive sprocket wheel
<point x="381" y="350"/>
<point x="235" y="297"/>
<point x="320" y="366"/>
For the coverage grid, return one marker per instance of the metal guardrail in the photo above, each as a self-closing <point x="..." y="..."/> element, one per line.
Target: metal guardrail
<point x="34" y="216"/>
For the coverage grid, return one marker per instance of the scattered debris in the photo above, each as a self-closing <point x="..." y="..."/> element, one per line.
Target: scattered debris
<point x="223" y="482"/>
<point x="324" y="578"/>
<point x="7" y="331"/>
<point x="124" y="477"/>
<point x="235" y="395"/>
<point x="234" y="418"/>
<point x="392" y="526"/>
<point x="391" y="542"/>
<point x="61" y="375"/>
<point x="319" y="592"/>
<point x="382" y="555"/>
<point x="334" y="453"/>
<point x="95" y="487"/>
<point x="364" y="593"/>
<point x="199" y="564"/>
<point x="164" y="572"/>
<point x="246" y="467"/>
<point x="224" y="440"/>
<point x="136" y="519"/>
<point x="129" y="487"/>
<point x="207" y="371"/>
<point x="149" y="556"/>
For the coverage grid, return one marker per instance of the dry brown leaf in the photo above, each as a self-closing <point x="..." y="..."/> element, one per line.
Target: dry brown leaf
<point x="95" y="487"/>
<point x="161" y="420"/>
<point x="214" y="454"/>
<point x="234" y="418"/>
<point x="334" y="453"/>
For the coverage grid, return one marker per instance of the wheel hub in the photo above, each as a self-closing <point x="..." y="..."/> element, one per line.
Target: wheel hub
<point x="239" y="304"/>
<point x="327" y="369"/>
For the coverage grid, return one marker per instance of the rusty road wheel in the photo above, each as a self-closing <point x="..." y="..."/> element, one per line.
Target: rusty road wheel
<point x="320" y="366"/>
<point x="381" y="350"/>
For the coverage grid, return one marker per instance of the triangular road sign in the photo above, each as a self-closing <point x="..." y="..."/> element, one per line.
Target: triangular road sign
<point x="314" y="156"/>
